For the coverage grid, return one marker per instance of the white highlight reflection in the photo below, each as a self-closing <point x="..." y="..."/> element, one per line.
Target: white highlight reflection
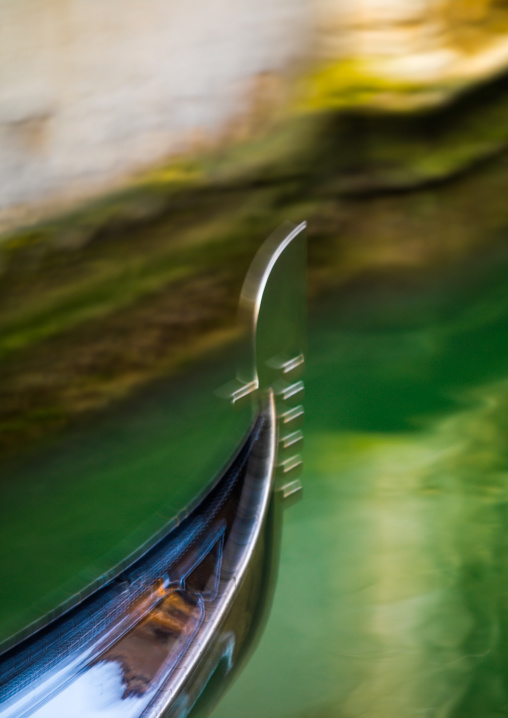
<point x="97" y="692"/>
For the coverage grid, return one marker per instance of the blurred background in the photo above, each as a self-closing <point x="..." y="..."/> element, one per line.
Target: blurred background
<point x="146" y="150"/>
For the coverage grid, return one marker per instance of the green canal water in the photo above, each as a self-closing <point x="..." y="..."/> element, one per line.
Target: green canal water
<point x="392" y="598"/>
<point x="76" y="509"/>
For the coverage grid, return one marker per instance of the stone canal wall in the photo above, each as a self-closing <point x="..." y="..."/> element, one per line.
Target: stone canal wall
<point x="91" y="90"/>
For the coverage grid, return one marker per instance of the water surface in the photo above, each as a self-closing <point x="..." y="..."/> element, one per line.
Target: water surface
<point x="393" y="590"/>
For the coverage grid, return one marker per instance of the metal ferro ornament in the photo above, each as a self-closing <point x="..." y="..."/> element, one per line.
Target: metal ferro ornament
<point x="165" y="636"/>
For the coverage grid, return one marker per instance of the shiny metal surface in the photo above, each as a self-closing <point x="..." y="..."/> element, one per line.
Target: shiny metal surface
<point x="161" y="638"/>
<point x="274" y="302"/>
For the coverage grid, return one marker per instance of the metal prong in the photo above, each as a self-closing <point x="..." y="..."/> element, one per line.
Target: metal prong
<point x="294" y="462"/>
<point x="292" y="492"/>
<point x="293" y="364"/>
<point x="289" y="390"/>
<point x="289" y="365"/>
<point x="293" y="414"/>
<point x="244" y="391"/>
<point x="294" y="438"/>
<point x="236" y="391"/>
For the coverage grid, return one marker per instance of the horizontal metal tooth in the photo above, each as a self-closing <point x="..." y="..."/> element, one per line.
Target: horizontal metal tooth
<point x="244" y="391"/>
<point x="291" y="439"/>
<point x="292" y="490"/>
<point x="236" y="391"/>
<point x="291" y="464"/>
<point x="289" y="365"/>
<point x="292" y="414"/>
<point x="290" y="390"/>
<point x="293" y="364"/>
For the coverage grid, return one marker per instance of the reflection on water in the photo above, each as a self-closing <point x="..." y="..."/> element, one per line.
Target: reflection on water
<point x="393" y="600"/>
<point x="96" y="497"/>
